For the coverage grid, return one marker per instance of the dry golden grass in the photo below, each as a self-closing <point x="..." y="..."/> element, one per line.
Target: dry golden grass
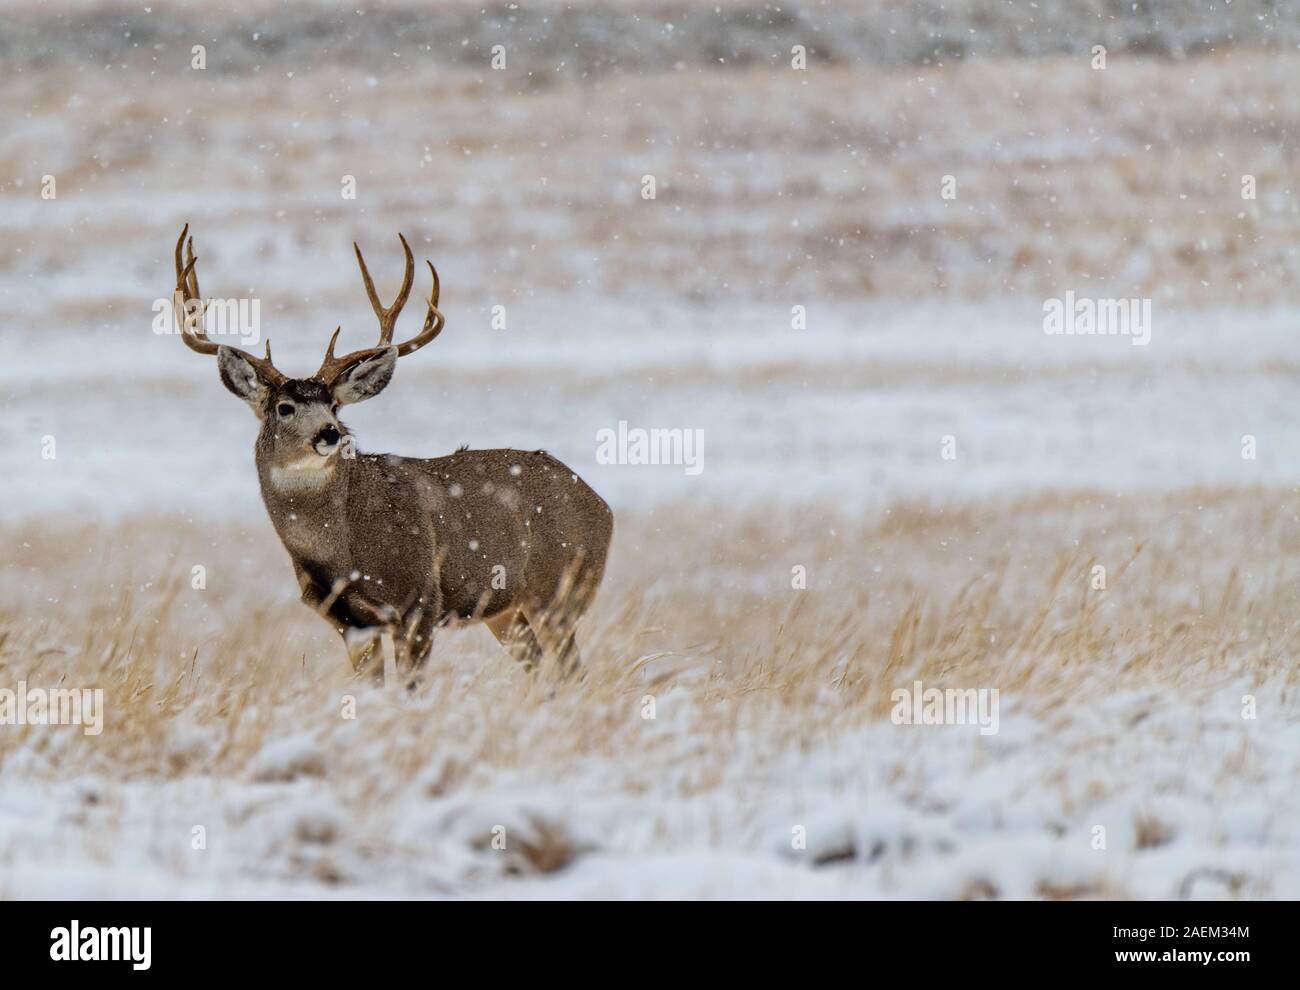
<point x="226" y="706"/>
<point x="1199" y="588"/>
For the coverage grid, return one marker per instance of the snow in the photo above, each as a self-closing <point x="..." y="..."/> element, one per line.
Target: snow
<point x="236" y="775"/>
<point x="965" y="814"/>
<point x="855" y="407"/>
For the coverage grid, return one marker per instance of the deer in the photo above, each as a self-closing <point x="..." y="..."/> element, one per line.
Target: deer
<point x="403" y="546"/>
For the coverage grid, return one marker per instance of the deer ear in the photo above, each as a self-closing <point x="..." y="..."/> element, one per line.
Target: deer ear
<point x="365" y="379"/>
<point x="240" y="376"/>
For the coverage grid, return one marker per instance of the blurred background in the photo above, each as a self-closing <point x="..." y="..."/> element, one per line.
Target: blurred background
<point x="775" y="188"/>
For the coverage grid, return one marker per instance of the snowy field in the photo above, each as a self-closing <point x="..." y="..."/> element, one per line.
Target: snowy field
<point x="851" y="411"/>
<point x="881" y="411"/>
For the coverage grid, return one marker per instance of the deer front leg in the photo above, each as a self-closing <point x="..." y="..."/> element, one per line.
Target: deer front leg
<point x="420" y="621"/>
<point x="359" y="621"/>
<point x="365" y="652"/>
<point x="363" y="637"/>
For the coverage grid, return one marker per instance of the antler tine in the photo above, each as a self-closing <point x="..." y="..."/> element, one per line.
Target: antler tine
<point x="434" y="321"/>
<point x="187" y="290"/>
<point x="329" y="351"/>
<point x="194" y="275"/>
<point x="192" y="332"/>
<point x="387" y="317"/>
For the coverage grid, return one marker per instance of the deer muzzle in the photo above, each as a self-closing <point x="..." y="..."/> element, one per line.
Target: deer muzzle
<point x="327" y="440"/>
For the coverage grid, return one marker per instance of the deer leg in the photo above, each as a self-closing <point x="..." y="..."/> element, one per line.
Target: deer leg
<point x="420" y="622"/>
<point x="419" y="640"/>
<point x="365" y="651"/>
<point x="367" y="623"/>
<point x="556" y="629"/>
<point x="556" y="621"/>
<point x="569" y="658"/>
<point x="415" y="645"/>
<point x="360" y="622"/>
<point x="513" y="632"/>
<point x="418" y="625"/>
<point x="361" y="642"/>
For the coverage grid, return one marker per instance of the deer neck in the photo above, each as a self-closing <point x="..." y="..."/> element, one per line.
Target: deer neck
<point x="306" y="498"/>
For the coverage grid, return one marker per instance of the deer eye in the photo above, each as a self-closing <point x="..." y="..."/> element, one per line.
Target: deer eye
<point x="284" y="409"/>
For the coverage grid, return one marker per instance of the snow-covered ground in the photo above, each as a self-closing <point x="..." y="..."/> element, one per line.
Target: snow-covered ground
<point x="1197" y="804"/>
<point x="853" y="409"/>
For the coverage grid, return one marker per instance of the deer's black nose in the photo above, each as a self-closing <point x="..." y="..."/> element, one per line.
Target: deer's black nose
<point x="329" y="435"/>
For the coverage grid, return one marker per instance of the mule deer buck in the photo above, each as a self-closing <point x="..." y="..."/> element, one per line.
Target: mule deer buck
<point x="403" y="545"/>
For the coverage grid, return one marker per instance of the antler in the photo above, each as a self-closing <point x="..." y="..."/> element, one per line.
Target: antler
<point x="434" y="321"/>
<point x="191" y="324"/>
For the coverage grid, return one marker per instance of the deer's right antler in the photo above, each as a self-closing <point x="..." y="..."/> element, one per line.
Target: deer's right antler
<point x="191" y="322"/>
<point x="434" y="321"/>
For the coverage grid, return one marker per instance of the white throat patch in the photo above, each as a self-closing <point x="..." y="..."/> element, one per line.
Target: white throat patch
<point x="311" y="471"/>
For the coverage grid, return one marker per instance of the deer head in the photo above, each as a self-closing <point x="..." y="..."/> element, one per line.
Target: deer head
<point x="300" y="424"/>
